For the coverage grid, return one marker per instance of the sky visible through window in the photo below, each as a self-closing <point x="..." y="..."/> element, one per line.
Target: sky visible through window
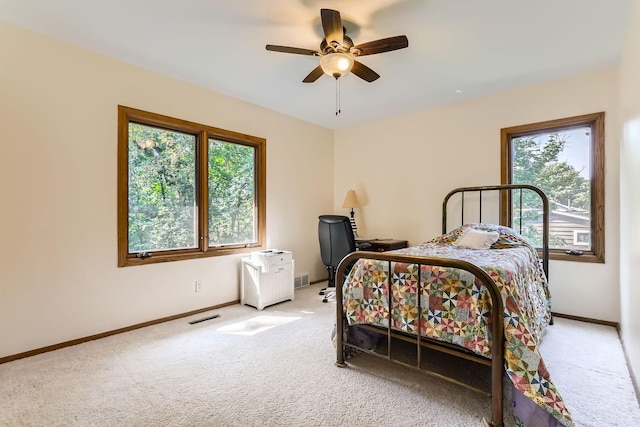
<point x="576" y="150"/>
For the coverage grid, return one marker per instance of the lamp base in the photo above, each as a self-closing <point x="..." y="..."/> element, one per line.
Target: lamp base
<point x="354" y="227"/>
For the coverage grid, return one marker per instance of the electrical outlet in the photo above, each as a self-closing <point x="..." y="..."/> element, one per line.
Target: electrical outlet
<point x="198" y="286"/>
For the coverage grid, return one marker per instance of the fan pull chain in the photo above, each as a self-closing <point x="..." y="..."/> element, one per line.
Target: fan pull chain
<point x="337" y="96"/>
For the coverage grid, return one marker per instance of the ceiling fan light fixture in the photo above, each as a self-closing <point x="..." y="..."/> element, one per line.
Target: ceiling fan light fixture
<point x="336" y="64"/>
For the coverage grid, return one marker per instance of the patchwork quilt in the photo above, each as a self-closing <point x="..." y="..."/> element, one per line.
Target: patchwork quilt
<point x="456" y="307"/>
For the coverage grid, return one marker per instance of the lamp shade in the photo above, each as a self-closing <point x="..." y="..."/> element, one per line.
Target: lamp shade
<point x="351" y="200"/>
<point x="336" y="64"/>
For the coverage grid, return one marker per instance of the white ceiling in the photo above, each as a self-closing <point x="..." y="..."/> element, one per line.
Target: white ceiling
<point x="458" y="49"/>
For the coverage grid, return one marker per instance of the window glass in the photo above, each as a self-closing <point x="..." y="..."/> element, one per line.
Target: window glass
<point x="162" y="174"/>
<point x="232" y="204"/>
<point x="559" y="164"/>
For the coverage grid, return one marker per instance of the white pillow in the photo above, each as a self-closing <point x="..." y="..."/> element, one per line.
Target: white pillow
<point x="477" y="239"/>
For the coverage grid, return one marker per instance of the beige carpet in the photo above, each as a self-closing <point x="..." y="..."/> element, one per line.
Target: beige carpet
<point x="276" y="368"/>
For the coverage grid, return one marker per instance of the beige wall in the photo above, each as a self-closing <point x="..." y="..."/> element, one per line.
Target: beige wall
<point x="58" y="124"/>
<point x="629" y="192"/>
<point x="403" y="167"/>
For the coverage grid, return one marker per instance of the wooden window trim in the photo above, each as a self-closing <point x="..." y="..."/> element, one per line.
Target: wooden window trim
<point x="596" y="122"/>
<point x="203" y="133"/>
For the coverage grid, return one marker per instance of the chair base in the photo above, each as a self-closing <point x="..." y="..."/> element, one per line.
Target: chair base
<point x="329" y="298"/>
<point x="329" y="294"/>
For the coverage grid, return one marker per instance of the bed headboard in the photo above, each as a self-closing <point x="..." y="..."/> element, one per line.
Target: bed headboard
<point x="506" y="194"/>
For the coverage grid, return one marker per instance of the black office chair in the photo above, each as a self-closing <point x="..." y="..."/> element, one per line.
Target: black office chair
<point x="336" y="241"/>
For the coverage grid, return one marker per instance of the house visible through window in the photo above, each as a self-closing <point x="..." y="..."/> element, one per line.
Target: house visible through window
<point x="564" y="158"/>
<point x="186" y="190"/>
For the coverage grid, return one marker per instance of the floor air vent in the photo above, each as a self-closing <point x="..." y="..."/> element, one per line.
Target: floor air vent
<point x="301" y="281"/>
<point x="193" y="322"/>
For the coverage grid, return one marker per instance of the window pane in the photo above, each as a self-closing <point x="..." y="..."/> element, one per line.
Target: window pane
<point x="232" y="194"/>
<point x="162" y="174"/>
<point x="558" y="163"/>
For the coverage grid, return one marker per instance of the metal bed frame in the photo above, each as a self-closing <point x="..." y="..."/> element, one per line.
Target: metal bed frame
<point x="497" y="351"/>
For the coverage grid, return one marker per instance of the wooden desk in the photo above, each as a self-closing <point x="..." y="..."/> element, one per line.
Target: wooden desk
<point x="383" y="245"/>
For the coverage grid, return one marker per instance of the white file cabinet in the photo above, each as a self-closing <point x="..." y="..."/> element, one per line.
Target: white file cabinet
<point x="267" y="278"/>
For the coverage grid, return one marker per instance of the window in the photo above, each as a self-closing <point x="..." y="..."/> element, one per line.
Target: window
<point x="564" y="158"/>
<point x="186" y="190"/>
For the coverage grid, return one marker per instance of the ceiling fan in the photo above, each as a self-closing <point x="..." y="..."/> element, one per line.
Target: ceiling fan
<point x="337" y="52"/>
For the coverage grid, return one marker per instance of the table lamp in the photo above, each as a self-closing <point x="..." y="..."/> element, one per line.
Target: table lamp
<point x="351" y="201"/>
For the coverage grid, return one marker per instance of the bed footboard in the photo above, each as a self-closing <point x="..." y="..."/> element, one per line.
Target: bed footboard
<point x="497" y="351"/>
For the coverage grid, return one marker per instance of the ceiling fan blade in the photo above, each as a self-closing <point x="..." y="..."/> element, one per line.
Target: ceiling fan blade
<point x="364" y="72"/>
<point x="287" y="49"/>
<point x="313" y="75"/>
<point x="332" y="26"/>
<point x="380" y="46"/>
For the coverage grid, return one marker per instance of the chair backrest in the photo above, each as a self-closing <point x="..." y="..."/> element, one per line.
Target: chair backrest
<point x="336" y="239"/>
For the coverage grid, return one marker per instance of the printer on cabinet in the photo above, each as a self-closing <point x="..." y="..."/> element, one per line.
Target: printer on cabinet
<point x="270" y="260"/>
